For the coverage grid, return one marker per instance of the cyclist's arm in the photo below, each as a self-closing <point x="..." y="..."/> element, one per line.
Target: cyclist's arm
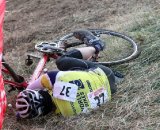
<point x="36" y="84"/>
<point x="44" y="81"/>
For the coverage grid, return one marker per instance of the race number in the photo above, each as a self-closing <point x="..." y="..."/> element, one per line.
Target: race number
<point x="98" y="97"/>
<point x="65" y="91"/>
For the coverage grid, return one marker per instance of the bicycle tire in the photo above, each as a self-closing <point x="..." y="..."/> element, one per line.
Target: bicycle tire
<point x="98" y="32"/>
<point x="13" y="74"/>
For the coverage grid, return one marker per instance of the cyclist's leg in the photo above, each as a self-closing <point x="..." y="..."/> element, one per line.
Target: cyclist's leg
<point x="73" y="60"/>
<point x="84" y="53"/>
<point x="87" y="52"/>
<point x="69" y="63"/>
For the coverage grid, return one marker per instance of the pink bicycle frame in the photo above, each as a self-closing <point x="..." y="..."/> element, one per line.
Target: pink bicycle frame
<point x="13" y="83"/>
<point x="37" y="72"/>
<point x="41" y="64"/>
<point x="39" y="69"/>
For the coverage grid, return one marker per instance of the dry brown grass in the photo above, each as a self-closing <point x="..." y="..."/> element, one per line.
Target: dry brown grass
<point x="136" y="105"/>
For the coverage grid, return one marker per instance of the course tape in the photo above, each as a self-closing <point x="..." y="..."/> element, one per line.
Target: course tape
<point x="3" y="100"/>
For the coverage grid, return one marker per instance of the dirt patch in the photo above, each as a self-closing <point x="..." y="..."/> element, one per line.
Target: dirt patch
<point x="26" y="21"/>
<point x="29" y="21"/>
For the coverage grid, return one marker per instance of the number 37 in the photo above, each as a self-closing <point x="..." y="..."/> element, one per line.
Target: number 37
<point x="65" y="91"/>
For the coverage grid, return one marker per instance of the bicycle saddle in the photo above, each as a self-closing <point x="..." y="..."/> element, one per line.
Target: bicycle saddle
<point x="48" y="47"/>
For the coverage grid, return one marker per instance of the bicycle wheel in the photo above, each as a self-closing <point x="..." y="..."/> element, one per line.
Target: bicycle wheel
<point x="119" y="49"/>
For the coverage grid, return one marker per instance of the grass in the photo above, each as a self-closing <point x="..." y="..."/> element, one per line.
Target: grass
<point x="136" y="105"/>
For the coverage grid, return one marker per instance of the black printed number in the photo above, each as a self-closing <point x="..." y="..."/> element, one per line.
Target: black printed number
<point x="99" y="99"/>
<point x="65" y="91"/>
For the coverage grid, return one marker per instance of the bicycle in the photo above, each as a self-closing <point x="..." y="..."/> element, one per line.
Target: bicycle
<point x="58" y="48"/>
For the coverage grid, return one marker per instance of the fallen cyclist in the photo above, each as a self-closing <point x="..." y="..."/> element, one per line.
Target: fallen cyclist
<point x="77" y="87"/>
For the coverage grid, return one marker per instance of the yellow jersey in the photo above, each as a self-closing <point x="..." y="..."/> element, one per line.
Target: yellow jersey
<point x="90" y="89"/>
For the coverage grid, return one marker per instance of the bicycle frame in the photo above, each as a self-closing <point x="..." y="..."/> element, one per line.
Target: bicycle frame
<point x="36" y="73"/>
<point x="22" y="83"/>
<point x="38" y="70"/>
<point x="14" y="83"/>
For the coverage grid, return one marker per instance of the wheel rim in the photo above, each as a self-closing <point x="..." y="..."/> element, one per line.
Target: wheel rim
<point x="112" y="34"/>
